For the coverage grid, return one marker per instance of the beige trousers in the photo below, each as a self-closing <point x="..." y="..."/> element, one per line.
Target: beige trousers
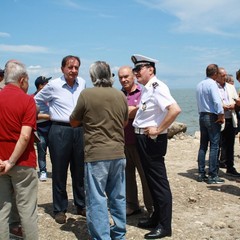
<point x="133" y="164"/>
<point x="23" y="182"/>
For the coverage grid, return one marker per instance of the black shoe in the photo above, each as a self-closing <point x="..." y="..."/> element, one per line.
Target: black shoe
<point x="16" y="232"/>
<point x="81" y="211"/>
<point x="233" y="172"/>
<point x="158" y="232"/>
<point x="60" y="217"/>
<point x="214" y="180"/>
<point x="202" y="178"/>
<point x="147" y="223"/>
<point x="130" y="212"/>
<point x="222" y="165"/>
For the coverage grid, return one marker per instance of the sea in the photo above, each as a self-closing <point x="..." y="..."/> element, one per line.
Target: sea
<point x="186" y="99"/>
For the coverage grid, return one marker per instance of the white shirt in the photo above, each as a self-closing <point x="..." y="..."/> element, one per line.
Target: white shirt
<point x="225" y="99"/>
<point x="155" y="99"/>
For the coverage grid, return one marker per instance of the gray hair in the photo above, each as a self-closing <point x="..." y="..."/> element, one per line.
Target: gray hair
<point x="14" y="71"/>
<point x="100" y="74"/>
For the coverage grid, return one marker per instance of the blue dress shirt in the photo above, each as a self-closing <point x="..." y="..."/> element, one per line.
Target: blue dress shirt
<point x="61" y="98"/>
<point x="208" y="97"/>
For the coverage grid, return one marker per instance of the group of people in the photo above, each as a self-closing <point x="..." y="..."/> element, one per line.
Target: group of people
<point x="99" y="132"/>
<point x="217" y="100"/>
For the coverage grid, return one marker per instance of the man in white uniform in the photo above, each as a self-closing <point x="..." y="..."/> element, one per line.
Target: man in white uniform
<point x="157" y="111"/>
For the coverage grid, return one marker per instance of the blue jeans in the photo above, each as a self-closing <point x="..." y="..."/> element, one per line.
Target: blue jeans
<point x="105" y="187"/>
<point x="42" y="150"/>
<point x="210" y="132"/>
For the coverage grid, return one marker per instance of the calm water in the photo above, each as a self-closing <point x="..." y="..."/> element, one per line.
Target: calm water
<point x="186" y="99"/>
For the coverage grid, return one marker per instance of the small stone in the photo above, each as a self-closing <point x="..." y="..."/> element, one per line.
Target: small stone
<point x="192" y="200"/>
<point x="219" y="225"/>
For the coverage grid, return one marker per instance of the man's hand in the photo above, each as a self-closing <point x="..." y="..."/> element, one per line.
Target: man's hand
<point x="2" y="165"/>
<point x="237" y="101"/>
<point x="152" y="132"/>
<point x="5" y="166"/>
<point x="229" y="107"/>
<point x="221" y="118"/>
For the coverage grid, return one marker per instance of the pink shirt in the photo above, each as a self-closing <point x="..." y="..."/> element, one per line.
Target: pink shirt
<point x="133" y="99"/>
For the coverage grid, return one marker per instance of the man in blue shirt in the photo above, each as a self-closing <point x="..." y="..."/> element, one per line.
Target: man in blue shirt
<point x="65" y="142"/>
<point x="211" y="116"/>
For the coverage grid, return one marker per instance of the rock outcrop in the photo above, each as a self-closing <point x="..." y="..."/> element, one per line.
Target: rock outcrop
<point x="176" y="128"/>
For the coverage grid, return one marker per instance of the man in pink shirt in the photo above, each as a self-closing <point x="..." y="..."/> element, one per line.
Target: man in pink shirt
<point x="133" y="94"/>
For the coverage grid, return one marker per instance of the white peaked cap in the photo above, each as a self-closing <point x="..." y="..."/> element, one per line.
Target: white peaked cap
<point x="138" y="59"/>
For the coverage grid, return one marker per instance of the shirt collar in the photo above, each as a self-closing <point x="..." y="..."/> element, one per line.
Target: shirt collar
<point x="64" y="82"/>
<point x="150" y="82"/>
<point x="220" y="86"/>
<point x="137" y="89"/>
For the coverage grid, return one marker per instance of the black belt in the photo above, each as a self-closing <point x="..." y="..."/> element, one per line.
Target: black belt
<point x="61" y="124"/>
<point x="208" y="113"/>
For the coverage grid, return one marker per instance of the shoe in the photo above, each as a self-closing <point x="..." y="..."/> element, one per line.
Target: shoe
<point x="202" y="178"/>
<point x="233" y="172"/>
<point x="222" y="165"/>
<point x="60" y="218"/>
<point x="16" y="232"/>
<point x="43" y="177"/>
<point x="81" y="211"/>
<point x="213" y="180"/>
<point x="130" y="212"/>
<point x="158" y="232"/>
<point x="147" y="223"/>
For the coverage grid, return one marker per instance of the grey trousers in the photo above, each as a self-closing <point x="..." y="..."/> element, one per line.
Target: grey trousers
<point x="23" y="182"/>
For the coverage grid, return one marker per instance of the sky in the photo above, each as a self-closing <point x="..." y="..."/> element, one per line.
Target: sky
<point x="183" y="35"/>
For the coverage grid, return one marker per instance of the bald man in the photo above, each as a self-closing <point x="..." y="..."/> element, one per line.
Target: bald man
<point x="133" y="93"/>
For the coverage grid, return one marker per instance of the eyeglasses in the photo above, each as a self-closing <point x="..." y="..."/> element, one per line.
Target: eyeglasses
<point x="138" y="68"/>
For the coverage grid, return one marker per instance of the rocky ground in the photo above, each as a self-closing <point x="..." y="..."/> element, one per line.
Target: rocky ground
<point x="200" y="211"/>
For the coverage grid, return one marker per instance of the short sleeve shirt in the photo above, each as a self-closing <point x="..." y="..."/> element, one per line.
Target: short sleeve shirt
<point x="102" y="111"/>
<point x="17" y="109"/>
<point x="133" y="99"/>
<point x="155" y="99"/>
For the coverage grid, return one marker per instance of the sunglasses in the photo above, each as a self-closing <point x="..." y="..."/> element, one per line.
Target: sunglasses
<point x="138" y="68"/>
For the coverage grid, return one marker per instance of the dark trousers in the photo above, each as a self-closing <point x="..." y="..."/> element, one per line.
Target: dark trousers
<point x="227" y="142"/>
<point x="152" y="154"/>
<point x="42" y="151"/>
<point x="66" y="148"/>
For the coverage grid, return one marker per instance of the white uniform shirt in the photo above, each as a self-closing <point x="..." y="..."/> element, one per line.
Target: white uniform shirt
<point x="155" y="99"/>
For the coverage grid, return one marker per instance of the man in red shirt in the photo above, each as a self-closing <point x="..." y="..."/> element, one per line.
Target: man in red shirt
<point x="18" y="174"/>
<point x="1" y="79"/>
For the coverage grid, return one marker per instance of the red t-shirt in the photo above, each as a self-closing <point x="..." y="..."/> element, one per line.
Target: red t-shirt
<point x="17" y="109"/>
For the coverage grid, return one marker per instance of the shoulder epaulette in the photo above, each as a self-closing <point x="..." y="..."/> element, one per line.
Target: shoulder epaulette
<point x="155" y="84"/>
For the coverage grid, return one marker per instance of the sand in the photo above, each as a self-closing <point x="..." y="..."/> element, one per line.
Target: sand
<point x="200" y="211"/>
